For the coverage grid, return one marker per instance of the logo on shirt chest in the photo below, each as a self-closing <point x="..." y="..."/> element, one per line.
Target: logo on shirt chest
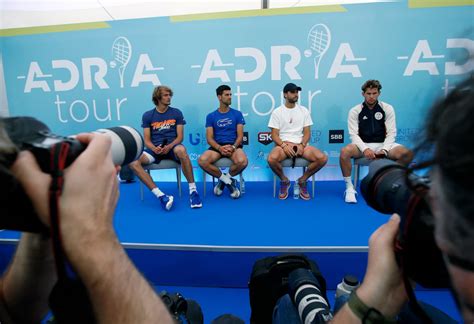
<point x="378" y="115"/>
<point x="164" y="124"/>
<point x="224" y="122"/>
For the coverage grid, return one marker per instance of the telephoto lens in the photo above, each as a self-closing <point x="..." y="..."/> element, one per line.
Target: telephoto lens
<point x="127" y="143"/>
<point x="305" y="292"/>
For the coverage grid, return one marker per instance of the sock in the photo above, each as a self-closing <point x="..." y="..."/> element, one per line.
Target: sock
<point x="157" y="192"/>
<point x="225" y="177"/>
<point x="348" y="182"/>
<point x="192" y="187"/>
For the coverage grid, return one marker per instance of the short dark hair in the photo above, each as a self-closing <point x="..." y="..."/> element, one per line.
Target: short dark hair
<point x="220" y="89"/>
<point x="158" y="92"/>
<point x="371" y="84"/>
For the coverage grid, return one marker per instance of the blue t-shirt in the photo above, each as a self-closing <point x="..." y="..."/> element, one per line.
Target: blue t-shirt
<point x="163" y="125"/>
<point x="225" y="125"/>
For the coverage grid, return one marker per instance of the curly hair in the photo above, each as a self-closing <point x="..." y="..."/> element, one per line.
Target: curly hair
<point x="371" y="84"/>
<point x="158" y="92"/>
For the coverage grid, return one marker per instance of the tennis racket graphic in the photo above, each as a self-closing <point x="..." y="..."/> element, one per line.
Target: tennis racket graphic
<point x="121" y="53"/>
<point x="319" y="40"/>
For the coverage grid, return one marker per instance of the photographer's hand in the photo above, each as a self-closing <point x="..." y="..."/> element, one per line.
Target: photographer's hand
<point x="117" y="290"/>
<point x="383" y="287"/>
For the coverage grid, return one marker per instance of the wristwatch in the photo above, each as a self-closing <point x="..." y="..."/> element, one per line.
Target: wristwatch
<point x="234" y="147"/>
<point x="368" y="315"/>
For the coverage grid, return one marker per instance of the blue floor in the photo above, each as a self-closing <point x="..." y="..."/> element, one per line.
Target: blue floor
<point x="207" y="254"/>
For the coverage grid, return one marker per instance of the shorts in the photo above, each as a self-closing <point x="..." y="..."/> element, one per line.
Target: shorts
<point x="154" y="158"/>
<point x="378" y="146"/>
<point x="221" y="144"/>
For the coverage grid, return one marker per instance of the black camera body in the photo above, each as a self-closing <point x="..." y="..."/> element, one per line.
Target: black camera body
<point x="182" y="310"/>
<point x="391" y="188"/>
<point x="28" y="133"/>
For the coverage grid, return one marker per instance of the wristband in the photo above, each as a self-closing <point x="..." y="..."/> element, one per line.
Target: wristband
<point x="367" y="315"/>
<point x="219" y="148"/>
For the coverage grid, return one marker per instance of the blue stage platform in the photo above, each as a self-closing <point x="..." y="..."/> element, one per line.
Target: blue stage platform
<point x="215" y="247"/>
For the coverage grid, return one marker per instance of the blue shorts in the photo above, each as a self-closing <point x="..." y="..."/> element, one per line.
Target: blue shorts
<point x="158" y="157"/>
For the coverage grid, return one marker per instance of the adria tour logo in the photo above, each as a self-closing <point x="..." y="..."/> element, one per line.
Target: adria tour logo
<point x="92" y="71"/>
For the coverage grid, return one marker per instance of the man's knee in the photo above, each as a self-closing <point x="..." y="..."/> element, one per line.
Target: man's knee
<point x="241" y="162"/>
<point x="346" y="153"/>
<point x="180" y="152"/>
<point x="203" y="161"/>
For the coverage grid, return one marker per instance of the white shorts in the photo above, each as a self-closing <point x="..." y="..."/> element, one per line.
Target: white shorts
<point x="378" y="146"/>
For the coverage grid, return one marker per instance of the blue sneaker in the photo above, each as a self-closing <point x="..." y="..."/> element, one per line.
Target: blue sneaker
<point x="234" y="191"/>
<point x="219" y="187"/>
<point x="195" y="200"/>
<point x="166" y="202"/>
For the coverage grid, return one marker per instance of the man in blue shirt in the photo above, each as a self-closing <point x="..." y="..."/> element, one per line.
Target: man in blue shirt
<point x="163" y="128"/>
<point x="224" y="133"/>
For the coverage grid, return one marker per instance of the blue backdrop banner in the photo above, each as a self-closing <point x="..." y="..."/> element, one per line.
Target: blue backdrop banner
<point x="82" y="80"/>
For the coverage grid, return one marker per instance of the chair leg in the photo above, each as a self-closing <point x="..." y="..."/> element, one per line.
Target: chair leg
<point x="356" y="174"/>
<point x="240" y="182"/>
<point x="178" y="178"/>
<point x="313" y="184"/>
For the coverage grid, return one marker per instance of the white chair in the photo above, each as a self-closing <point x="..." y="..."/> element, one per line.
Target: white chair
<point x="300" y="163"/>
<point x="163" y="165"/>
<point x="362" y="161"/>
<point x="221" y="163"/>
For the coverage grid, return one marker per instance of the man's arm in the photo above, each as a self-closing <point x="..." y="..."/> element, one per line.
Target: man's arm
<point x="148" y="142"/>
<point x="26" y="285"/>
<point x="118" y="292"/>
<point x="390" y="127"/>
<point x="240" y="135"/>
<point x="383" y="287"/>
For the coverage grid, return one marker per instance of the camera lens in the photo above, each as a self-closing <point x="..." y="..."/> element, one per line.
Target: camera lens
<point x="127" y="143"/>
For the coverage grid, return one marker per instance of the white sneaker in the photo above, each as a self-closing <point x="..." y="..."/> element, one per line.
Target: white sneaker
<point x="350" y="196"/>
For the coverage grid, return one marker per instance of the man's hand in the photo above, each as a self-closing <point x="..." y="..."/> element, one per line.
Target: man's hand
<point x="157" y="150"/>
<point x="368" y="153"/>
<point x="288" y="149"/>
<point x="165" y="149"/>
<point x="381" y="154"/>
<point x="383" y="287"/>
<point x="226" y="150"/>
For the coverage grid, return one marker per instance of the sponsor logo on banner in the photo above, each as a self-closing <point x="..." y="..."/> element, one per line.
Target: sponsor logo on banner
<point x="315" y="135"/>
<point x="265" y="138"/>
<point x="245" y="140"/>
<point x="336" y="136"/>
<point x="195" y="139"/>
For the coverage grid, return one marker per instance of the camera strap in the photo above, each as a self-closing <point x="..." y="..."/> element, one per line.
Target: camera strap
<point x="58" y="156"/>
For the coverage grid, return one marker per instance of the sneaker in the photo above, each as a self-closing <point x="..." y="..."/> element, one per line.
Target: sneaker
<point x="219" y="188"/>
<point x="284" y="188"/>
<point x="166" y="202"/>
<point x="350" y="196"/>
<point x="304" y="191"/>
<point x="234" y="191"/>
<point x="195" y="200"/>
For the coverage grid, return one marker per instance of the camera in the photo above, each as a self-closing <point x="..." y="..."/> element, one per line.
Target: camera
<point x="181" y="309"/>
<point x="27" y="133"/>
<point x="310" y="301"/>
<point x="391" y="188"/>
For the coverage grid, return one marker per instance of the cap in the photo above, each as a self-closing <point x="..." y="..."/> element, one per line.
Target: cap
<point x="291" y="87"/>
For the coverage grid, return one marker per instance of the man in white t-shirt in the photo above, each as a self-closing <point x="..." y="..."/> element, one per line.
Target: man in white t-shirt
<point x="291" y="131"/>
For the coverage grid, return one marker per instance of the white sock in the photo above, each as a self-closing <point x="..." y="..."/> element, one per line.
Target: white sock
<point x="192" y="187"/>
<point x="157" y="192"/>
<point x="225" y="178"/>
<point x="348" y="181"/>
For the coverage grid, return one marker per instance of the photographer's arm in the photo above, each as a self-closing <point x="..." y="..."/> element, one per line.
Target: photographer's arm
<point x="118" y="292"/>
<point x="26" y="285"/>
<point x="383" y="287"/>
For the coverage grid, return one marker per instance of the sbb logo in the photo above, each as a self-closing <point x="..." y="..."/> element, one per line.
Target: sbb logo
<point x="245" y="139"/>
<point x="336" y="136"/>
<point x="265" y="138"/>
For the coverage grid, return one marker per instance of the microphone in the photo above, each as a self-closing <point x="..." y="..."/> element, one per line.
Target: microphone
<point x="293" y="160"/>
<point x="165" y="142"/>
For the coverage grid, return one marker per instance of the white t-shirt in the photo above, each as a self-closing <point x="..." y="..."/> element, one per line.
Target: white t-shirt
<point x="290" y="122"/>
